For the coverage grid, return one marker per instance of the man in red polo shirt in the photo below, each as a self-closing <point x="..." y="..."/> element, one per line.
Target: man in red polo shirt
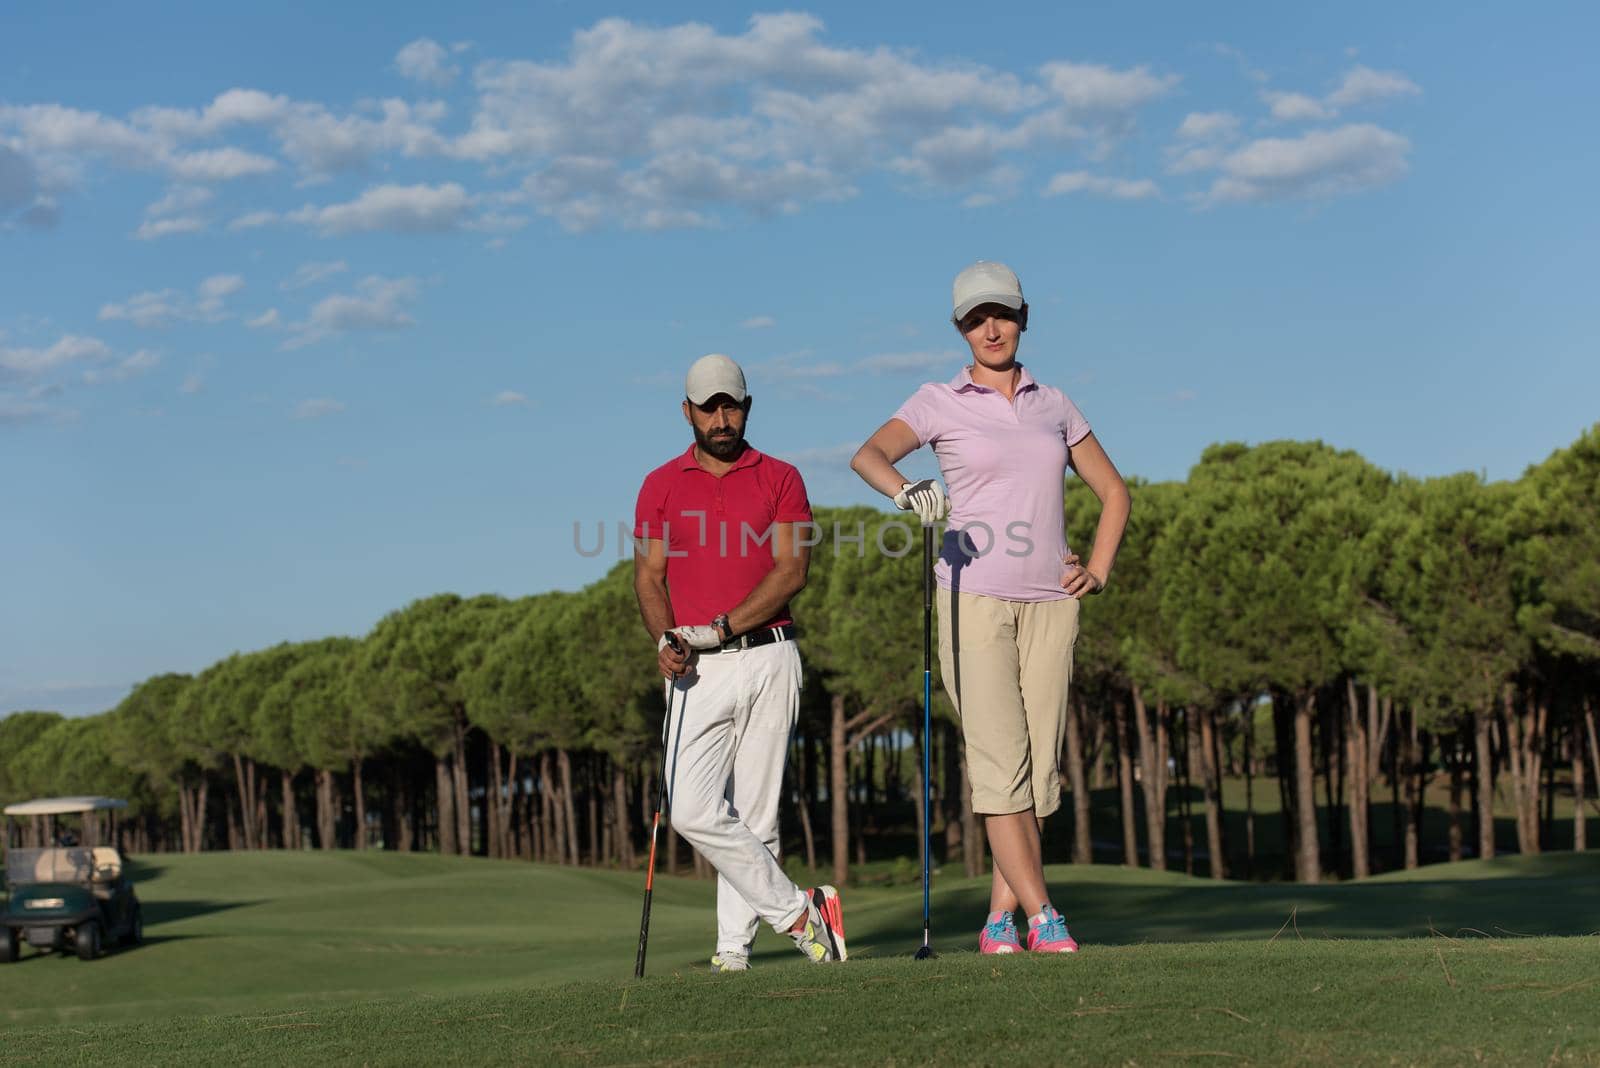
<point x="720" y="551"/>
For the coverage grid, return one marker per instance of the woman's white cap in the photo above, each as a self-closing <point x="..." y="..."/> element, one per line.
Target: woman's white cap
<point x="986" y="282"/>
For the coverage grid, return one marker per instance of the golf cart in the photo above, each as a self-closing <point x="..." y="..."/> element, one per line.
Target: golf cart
<point x="66" y="895"/>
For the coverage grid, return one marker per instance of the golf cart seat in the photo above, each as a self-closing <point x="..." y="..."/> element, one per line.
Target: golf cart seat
<point x="62" y="865"/>
<point x="107" y="864"/>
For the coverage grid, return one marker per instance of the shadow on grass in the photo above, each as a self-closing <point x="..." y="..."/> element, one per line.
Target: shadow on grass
<point x="159" y="912"/>
<point x="1556" y="899"/>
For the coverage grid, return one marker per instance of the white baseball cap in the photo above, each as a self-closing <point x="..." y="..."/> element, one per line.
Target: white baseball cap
<point x="986" y="282"/>
<point x="711" y="375"/>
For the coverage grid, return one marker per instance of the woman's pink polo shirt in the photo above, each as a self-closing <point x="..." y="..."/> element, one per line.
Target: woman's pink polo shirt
<point x="1005" y="465"/>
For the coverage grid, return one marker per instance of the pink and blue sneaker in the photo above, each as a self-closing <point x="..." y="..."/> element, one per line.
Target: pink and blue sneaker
<point x="999" y="935"/>
<point x="1047" y="933"/>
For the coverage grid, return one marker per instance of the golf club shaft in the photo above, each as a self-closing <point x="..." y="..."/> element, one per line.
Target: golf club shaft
<point x="927" y="720"/>
<point x="655" y="826"/>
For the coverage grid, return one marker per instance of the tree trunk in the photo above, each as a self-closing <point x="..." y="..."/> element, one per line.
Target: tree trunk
<point x="1153" y="778"/>
<point x="1359" y="793"/>
<point x="1580" y="822"/>
<point x="1457" y="838"/>
<point x="1191" y="737"/>
<point x="838" y="792"/>
<point x="1097" y="767"/>
<point x="494" y="807"/>
<point x="463" y="804"/>
<point x="1211" y="785"/>
<point x="1522" y="733"/>
<point x="1249" y="792"/>
<point x="247" y="796"/>
<point x="358" y="788"/>
<point x="1418" y="785"/>
<point x="1308" y="858"/>
<point x="291" y="817"/>
<point x="568" y="806"/>
<point x="1483" y="773"/>
<point x="445" y="802"/>
<point x="1082" y="845"/>
<point x="619" y="799"/>
<point x="1130" y="834"/>
<point x="325" y="815"/>
<point x="555" y="848"/>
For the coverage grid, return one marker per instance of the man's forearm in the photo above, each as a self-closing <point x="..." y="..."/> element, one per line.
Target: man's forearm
<point x="773" y="592"/>
<point x="655" y="606"/>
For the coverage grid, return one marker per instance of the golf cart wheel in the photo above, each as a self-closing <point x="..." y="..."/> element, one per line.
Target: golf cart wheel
<point x="9" y="946"/>
<point x="88" y="941"/>
<point x="135" y="935"/>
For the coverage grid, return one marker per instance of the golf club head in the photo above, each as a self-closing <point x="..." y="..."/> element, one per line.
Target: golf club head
<point x="925" y="953"/>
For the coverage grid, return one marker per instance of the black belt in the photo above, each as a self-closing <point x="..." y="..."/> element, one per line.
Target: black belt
<point x="765" y="636"/>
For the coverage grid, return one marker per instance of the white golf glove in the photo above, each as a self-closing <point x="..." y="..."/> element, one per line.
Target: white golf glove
<point x="926" y="498"/>
<point x="697" y="637"/>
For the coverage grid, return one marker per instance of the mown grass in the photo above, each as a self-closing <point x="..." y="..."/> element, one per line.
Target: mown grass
<point x="386" y="959"/>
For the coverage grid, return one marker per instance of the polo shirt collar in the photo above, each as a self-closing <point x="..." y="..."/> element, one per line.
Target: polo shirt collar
<point x="749" y="458"/>
<point x="963" y="383"/>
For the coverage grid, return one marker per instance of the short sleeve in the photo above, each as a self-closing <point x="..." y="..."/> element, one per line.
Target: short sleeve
<point x="650" y="511"/>
<point x="1074" y="426"/>
<point x="792" y="504"/>
<point x="918" y="414"/>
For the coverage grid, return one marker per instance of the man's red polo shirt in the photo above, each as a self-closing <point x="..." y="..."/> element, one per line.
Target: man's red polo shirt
<point x="718" y="530"/>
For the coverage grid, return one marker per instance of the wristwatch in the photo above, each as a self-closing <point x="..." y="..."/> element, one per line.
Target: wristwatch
<point x="724" y="628"/>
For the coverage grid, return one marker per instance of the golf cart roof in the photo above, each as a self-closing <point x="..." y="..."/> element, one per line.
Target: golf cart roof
<point x="62" y="806"/>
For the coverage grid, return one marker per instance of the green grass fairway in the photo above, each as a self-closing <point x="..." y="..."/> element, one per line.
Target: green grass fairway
<point x="374" y="958"/>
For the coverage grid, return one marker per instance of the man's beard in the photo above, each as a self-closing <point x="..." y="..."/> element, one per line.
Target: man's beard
<point x="725" y="448"/>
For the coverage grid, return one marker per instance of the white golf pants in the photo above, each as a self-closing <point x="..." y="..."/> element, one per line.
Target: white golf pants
<point x="729" y="737"/>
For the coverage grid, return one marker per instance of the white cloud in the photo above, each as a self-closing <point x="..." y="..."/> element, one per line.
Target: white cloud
<point x="1362" y="84"/>
<point x="426" y="61"/>
<point x="1320" y="163"/>
<point x="759" y="322"/>
<point x="1296" y="107"/>
<point x="1209" y="126"/>
<point x="1099" y="185"/>
<point x="70" y="349"/>
<point x="253" y="219"/>
<point x="378" y="304"/>
<point x="316" y="408"/>
<point x="151" y="229"/>
<point x="395" y="208"/>
<point x="907" y="362"/>
<point x="180" y="200"/>
<point x="192" y="384"/>
<point x="1095" y="89"/>
<point x="264" y="321"/>
<point x="800" y="366"/>
<point x="221" y="285"/>
<point x="311" y="273"/>
<point x="160" y="308"/>
<point x="507" y="398"/>
<point x="131" y="367"/>
<point x="220" y="164"/>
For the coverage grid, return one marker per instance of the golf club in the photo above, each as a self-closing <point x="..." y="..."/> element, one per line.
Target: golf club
<point x="661" y="805"/>
<point x="927" y="734"/>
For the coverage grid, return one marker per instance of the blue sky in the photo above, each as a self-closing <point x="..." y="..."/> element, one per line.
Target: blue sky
<point x="302" y="321"/>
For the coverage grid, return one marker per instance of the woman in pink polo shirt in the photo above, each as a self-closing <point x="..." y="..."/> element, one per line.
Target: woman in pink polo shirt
<point x="1008" y="584"/>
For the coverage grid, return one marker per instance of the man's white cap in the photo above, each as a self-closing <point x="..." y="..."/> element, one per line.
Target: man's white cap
<point x="711" y="375"/>
<point x="986" y="283"/>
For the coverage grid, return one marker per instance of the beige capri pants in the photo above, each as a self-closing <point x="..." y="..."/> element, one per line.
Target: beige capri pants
<point x="1007" y="667"/>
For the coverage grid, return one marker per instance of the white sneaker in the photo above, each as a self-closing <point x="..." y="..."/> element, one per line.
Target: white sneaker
<point x="729" y="962"/>
<point x="822" y="937"/>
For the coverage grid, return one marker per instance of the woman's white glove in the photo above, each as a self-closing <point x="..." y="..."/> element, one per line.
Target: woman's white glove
<point x="926" y="498"/>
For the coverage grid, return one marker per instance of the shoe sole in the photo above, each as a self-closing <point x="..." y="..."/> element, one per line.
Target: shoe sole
<point x="825" y="899"/>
